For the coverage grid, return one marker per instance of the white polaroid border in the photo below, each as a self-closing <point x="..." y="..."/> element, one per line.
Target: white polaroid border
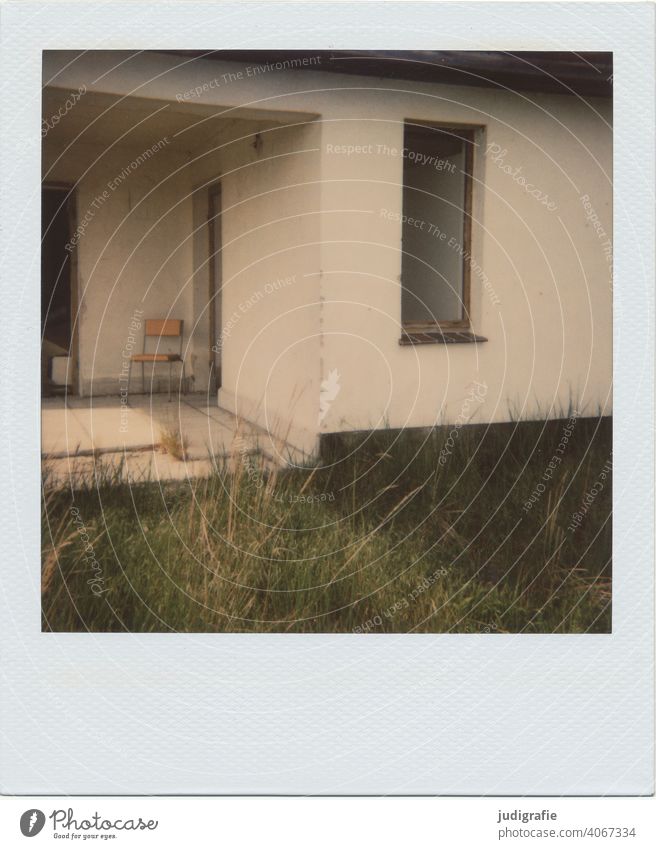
<point x="328" y="714"/>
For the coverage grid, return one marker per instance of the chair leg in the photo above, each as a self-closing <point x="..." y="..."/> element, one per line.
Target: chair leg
<point x="129" y="378"/>
<point x="143" y="379"/>
<point x="170" y="369"/>
<point x="184" y="379"/>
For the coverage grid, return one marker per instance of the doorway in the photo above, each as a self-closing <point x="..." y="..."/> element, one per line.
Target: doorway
<point x="58" y="302"/>
<point x="215" y="282"/>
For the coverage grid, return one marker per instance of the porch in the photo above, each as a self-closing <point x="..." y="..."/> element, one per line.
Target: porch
<point x="170" y="209"/>
<point x="82" y="438"/>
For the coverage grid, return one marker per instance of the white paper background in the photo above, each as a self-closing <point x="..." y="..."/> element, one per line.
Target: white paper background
<point x="450" y="714"/>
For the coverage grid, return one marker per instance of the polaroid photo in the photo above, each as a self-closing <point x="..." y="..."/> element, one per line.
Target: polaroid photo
<point x="328" y="398"/>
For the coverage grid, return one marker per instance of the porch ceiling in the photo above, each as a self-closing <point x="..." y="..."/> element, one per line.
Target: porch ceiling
<point x="134" y="121"/>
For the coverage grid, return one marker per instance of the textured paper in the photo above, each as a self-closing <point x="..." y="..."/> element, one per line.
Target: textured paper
<point x="446" y="714"/>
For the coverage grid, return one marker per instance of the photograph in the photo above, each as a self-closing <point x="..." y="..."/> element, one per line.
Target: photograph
<point x="327" y="341"/>
<point x="329" y="416"/>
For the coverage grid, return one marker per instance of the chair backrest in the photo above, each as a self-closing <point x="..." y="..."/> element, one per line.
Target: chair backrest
<point x="163" y="327"/>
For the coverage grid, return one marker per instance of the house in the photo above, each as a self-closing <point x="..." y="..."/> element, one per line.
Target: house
<point x="353" y="240"/>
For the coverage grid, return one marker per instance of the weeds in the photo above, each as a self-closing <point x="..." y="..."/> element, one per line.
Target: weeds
<point x="378" y="537"/>
<point x="172" y="442"/>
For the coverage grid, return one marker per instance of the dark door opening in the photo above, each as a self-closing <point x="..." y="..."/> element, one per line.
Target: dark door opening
<point x="58" y="358"/>
<point x="216" y="335"/>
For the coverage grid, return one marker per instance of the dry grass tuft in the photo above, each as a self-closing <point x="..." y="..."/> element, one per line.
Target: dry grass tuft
<point x="173" y="442"/>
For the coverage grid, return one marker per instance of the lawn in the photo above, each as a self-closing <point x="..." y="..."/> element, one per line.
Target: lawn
<point x="481" y="529"/>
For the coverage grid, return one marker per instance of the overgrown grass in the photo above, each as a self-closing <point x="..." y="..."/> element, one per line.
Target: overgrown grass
<point x="389" y="534"/>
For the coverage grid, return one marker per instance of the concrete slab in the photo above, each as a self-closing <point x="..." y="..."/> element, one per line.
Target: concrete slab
<point x="87" y="440"/>
<point x="129" y="467"/>
<point x="81" y="426"/>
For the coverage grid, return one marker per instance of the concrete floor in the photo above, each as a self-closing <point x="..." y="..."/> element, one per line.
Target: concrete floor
<point x="81" y="437"/>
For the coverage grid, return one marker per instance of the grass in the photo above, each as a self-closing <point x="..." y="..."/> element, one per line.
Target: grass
<point x="391" y="532"/>
<point x="172" y="442"/>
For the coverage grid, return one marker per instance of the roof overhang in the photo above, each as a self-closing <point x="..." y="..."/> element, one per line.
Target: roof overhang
<point x="557" y="72"/>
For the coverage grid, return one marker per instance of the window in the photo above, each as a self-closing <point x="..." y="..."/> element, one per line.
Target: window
<point x="436" y="229"/>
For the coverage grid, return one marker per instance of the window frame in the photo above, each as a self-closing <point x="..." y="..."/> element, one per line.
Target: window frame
<point x="442" y="330"/>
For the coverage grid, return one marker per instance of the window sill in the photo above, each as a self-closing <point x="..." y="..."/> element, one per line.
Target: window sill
<point x="439" y="337"/>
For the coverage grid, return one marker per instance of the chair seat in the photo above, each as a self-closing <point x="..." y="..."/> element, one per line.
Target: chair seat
<point x="156" y="358"/>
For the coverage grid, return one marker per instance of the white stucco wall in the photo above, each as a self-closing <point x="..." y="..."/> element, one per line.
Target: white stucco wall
<point x="295" y="207"/>
<point x="269" y="334"/>
<point x="546" y="304"/>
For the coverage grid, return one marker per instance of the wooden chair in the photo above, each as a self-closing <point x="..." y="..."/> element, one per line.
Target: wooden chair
<point x="160" y="328"/>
